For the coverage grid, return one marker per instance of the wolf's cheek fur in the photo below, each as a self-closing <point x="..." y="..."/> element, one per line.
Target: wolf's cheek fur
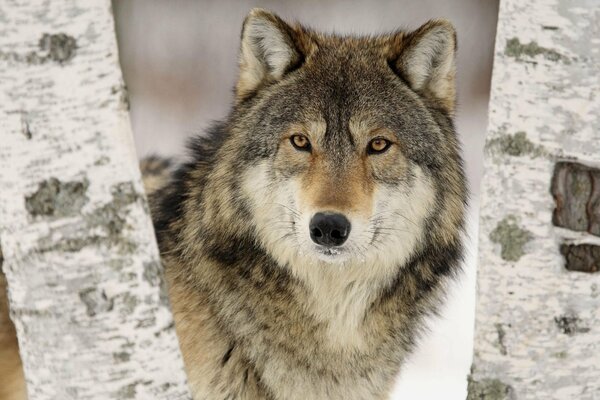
<point x="399" y="218"/>
<point x="274" y="211"/>
<point x="384" y="237"/>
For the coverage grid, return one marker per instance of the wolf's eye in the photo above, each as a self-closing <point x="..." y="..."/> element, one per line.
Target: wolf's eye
<point x="300" y="142"/>
<point x="378" y="145"/>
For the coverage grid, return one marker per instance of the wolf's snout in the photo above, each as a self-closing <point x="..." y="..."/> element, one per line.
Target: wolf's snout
<point x="329" y="229"/>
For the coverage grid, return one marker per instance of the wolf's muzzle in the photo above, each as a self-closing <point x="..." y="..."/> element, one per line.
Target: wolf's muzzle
<point x="329" y="229"/>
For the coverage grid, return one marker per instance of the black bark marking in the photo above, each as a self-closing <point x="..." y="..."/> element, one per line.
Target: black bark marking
<point x="570" y="324"/>
<point x="501" y="335"/>
<point x="54" y="198"/>
<point x="59" y="47"/>
<point x="582" y="258"/>
<point x="95" y="301"/>
<point x="576" y="191"/>
<point x="25" y="128"/>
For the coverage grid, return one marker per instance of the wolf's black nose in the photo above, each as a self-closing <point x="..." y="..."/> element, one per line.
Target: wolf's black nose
<point x="329" y="229"/>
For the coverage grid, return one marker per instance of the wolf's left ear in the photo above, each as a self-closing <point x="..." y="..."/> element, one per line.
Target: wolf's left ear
<point x="270" y="48"/>
<point x="427" y="61"/>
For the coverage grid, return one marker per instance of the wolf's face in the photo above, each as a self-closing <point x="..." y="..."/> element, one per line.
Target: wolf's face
<point x="347" y="143"/>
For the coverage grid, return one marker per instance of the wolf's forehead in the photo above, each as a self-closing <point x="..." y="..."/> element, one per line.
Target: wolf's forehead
<point x="352" y="43"/>
<point x="346" y="79"/>
<point x="360" y="53"/>
<point x="349" y="99"/>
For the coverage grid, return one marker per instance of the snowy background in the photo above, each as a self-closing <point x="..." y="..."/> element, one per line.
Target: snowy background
<point x="179" y="58"/>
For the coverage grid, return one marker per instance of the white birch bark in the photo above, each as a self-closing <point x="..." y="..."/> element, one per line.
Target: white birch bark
<point x="86" y="287"/>
<point x="537" y="323"/>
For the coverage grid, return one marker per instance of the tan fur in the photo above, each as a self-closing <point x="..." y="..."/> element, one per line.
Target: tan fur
<point x="12" y="381"/>
<point x="355" y="189"/>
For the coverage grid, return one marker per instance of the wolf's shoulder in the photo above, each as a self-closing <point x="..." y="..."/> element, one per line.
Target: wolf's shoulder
<point x="170" y="181"/>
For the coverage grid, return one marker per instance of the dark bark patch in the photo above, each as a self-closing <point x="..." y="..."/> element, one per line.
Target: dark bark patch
<point x="25" y="128"/>
<point x="124" y="193"/>
<point x="123" y="96"/>
<point x="561" y="355"/>
<point x="576" y="191"/>
<point x="501" y="335"/>
<point x="128" y="391"/>
<point x="54" y="198"/>
<point x="489" y="389"/>
<point x="59" y="47"/>
<point x="582" y="258"/>
<point x="146" y="322"/>
<point x="511" y="237"/>
<point x="570" y="324"/>
<point x="121" y="356"/>
<point x="129" y="303"/>
<point x="95" y="301"/>
<point x="514" y="48"/>
<point x="153" y="274"/>
<point x="515" y="145"/>
<point x="107" y="221"/>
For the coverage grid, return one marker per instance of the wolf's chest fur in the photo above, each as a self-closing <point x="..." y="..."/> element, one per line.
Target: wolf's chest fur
<point x="314" y="229"/>
<point x="289" y="343"/>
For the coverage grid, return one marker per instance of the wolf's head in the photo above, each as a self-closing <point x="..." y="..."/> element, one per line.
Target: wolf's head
<point x="341" y="150"/>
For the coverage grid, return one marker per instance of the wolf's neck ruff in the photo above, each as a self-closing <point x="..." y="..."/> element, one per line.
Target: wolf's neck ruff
<point x="316" y="227"/>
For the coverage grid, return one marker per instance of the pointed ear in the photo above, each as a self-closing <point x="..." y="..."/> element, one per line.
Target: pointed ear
<point x="270" y="48"/>
<point x="427" y="62"/>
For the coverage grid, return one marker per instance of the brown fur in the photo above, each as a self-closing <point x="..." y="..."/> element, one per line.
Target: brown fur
<point x="12" y="382"/>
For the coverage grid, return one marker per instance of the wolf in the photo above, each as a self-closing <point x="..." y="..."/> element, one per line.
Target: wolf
<point x="312" y="231"/>
<point x="315" y="228"/>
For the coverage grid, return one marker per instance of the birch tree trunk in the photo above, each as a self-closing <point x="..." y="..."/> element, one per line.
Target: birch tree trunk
<point x="86" y="287"/>
<point x="538" y="312"/>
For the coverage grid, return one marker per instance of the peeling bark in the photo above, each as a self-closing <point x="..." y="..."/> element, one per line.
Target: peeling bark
<point x="86" y="286"/>
<point x="538" y="306"/>
<point x="576" y="190"/>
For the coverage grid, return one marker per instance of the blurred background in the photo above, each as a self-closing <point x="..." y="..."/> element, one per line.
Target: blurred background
<point x="179" y="59"/>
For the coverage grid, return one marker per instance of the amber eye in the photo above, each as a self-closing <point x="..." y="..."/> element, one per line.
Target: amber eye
<point x="378" y="145"/>
<point x="300" y="142"/>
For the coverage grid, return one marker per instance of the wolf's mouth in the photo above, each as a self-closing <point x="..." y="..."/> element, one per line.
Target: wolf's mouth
<point x="330" y="253"/>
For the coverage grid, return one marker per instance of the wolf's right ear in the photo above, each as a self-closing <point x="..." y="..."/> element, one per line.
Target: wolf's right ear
<point x="270" y="48"/>
<point x="427" y="61"/>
